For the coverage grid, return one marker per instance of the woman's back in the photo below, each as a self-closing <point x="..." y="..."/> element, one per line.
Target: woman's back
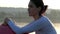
<point x="47" y="26"/>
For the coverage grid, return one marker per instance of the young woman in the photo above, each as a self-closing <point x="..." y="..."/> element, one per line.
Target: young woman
<point x="40" y="25"/>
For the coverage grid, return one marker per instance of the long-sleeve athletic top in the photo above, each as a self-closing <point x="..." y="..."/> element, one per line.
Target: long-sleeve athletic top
<point x="41" y="26"/>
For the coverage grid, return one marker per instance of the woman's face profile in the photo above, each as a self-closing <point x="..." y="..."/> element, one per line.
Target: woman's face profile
<point x="32" y="9"/>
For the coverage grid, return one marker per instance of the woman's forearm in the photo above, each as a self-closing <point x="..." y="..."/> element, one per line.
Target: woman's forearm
<point x="15" y="28"/>
<point x="34" y="26"/>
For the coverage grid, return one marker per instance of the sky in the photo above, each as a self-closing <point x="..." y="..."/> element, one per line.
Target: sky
<point x="52" y="4"/>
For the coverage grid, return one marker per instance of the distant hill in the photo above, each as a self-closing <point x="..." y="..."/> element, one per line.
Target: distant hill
<point x="21" y="14"/>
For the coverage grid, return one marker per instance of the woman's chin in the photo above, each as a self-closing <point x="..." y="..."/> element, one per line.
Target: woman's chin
<point x="30" y="15"/>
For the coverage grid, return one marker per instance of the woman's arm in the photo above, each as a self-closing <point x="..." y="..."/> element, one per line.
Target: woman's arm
<point x="29" y="28"/>
<point x="12" y="25"/>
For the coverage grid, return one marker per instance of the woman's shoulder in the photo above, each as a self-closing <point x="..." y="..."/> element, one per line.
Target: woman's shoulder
<point x="44" y="19"/>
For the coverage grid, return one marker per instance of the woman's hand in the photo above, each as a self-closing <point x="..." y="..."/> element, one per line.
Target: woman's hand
<point x="6" y="20"/>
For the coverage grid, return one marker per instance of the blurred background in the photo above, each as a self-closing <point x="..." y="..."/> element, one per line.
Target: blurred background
<point x="17" y="11"/>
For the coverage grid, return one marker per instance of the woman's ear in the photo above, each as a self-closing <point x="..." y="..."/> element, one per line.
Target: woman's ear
<point x="39" y="8"/>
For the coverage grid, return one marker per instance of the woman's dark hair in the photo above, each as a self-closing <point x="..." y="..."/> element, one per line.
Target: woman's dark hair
<point x="39" y="3"/>
<point x="43" y="10"/>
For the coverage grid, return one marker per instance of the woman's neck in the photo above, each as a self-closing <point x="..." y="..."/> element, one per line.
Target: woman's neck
<point x="36" y="17"/>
